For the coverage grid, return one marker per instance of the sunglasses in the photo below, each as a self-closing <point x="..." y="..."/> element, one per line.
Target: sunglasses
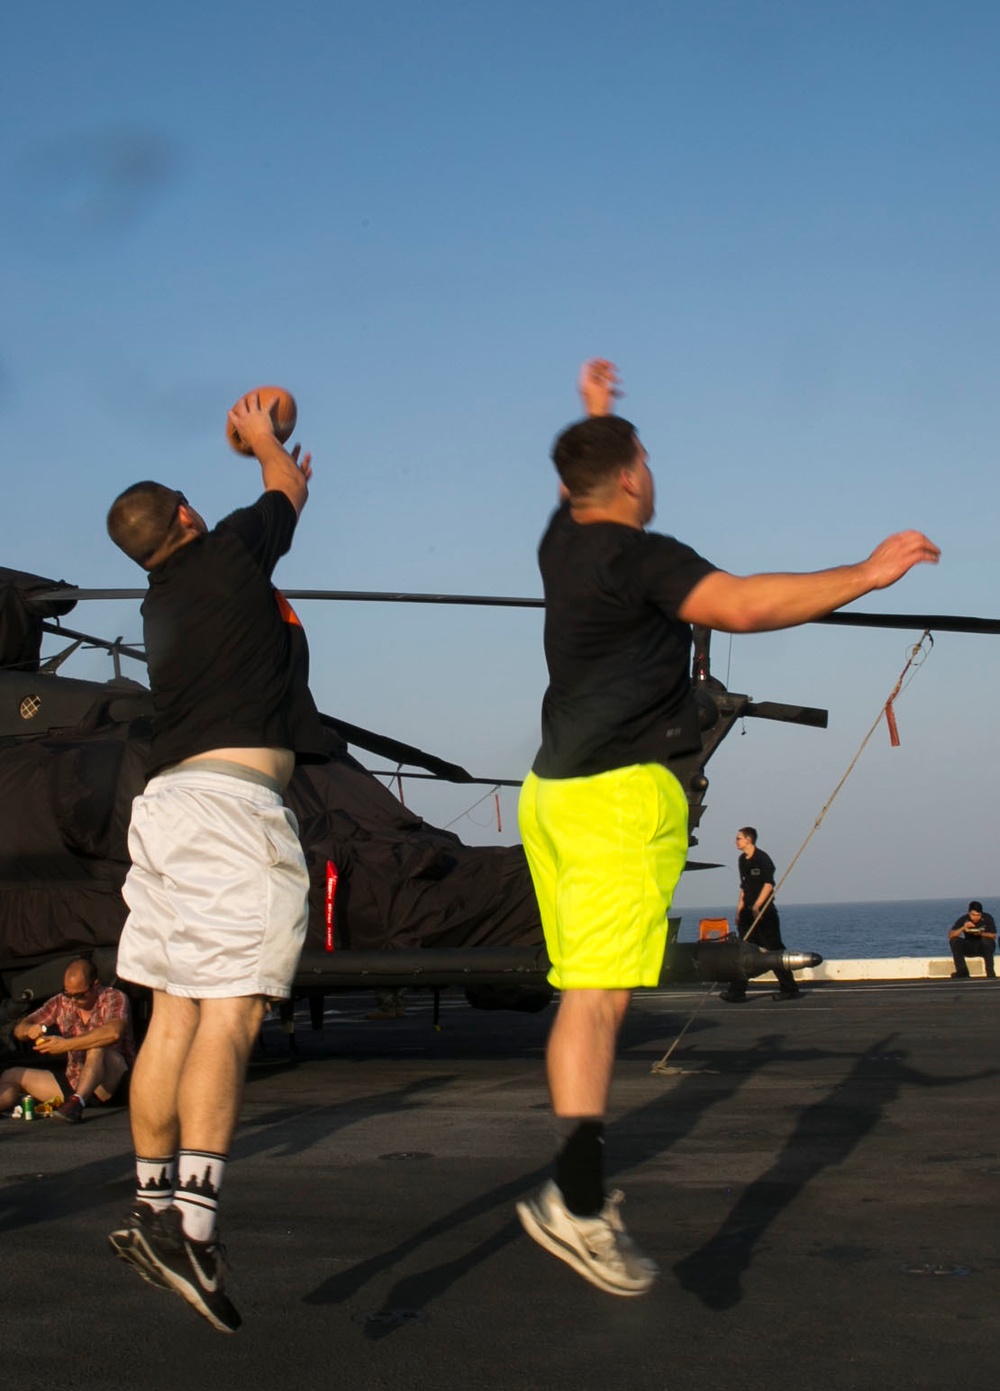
<point x="181" y="501"/>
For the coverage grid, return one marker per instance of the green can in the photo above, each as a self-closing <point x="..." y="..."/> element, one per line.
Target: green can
<point x="28" y="1108"/>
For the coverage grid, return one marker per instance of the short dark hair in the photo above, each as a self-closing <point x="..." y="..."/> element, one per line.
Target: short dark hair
<point x="142" y="518"/>
<point x="750" y="832"/>
<point x="592" y="451"/>
<point x="975" y="906"/>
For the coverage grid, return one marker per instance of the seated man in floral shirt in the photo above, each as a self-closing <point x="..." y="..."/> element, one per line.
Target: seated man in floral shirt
<point x="89" y="1025"/>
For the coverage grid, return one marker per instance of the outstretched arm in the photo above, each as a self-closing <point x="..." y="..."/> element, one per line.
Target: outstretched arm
<point x="281" y="471"/>
<point x="760" y="603"/>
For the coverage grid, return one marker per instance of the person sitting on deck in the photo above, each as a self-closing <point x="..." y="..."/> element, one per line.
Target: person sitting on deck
<point x="88" y="1026"/>
<point x="973" y="934"/>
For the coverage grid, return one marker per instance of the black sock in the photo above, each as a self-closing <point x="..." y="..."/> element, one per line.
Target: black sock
<point x="580" y="1169"/>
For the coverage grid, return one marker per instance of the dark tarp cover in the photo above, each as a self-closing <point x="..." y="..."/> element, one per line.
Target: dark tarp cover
<point x="65" y="798"/>
<point x="22" y="615"/>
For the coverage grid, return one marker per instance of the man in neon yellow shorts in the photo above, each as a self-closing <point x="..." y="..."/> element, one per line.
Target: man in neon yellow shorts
<point x="604" y="821"/>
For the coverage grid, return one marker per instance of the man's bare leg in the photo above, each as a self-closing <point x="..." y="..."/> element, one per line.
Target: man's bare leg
<point x="27" y="1081"/>
<point x="211" y="1082"/>
<point x="190" y="1085"/>
<point x="580" y="1057"/>
<point x="188" y="1081"/>
<point x="572" y="1217"/>
<point x="186" y="1093"/>
<point x="580" y="1060"/>
<point x="157" y="1073"/>
<point x="103" y="1069"/>
<point x="208" y="1103"/>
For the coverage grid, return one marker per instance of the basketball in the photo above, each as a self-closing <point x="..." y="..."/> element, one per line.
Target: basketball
<point x="279" y="404"/>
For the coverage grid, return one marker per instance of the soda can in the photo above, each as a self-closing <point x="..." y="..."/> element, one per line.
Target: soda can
<point x="28" y="1108"/>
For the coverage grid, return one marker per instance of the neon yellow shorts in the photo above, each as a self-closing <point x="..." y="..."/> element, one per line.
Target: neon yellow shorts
<point x="605" y="855"/>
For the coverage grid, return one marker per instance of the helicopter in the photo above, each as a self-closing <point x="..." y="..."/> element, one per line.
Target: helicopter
<point x="394" y="901"/>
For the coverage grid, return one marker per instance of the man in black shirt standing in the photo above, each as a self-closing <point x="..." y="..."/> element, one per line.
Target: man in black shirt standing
<point x="603" y="819"/>
<point x="757" y="879"/>
<point x="218" y="888"/>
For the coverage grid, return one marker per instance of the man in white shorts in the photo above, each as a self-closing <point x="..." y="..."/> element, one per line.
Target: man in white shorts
<point x="218" y="888"/>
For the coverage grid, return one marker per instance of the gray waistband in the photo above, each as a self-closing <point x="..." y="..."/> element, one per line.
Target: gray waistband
<point x="223" y="765"/>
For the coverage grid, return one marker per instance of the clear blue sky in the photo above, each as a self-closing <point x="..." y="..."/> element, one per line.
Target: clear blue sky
<point x="780" y="219"/>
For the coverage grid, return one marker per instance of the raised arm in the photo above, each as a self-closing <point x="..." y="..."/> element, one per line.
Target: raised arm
<point x="598" y="385"/>
<point x="281" y="471"/>
<point x="760" y="603"/>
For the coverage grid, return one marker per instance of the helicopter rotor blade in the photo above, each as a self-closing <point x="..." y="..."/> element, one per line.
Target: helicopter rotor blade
<point x="937" y="622"/>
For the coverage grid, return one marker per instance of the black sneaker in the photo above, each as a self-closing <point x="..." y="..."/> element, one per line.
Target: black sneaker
<point x="733" y="997"/>
<point x="126" y="1245"/>
<point x="193" y="1269"/>
<point x="71" y="1110"/>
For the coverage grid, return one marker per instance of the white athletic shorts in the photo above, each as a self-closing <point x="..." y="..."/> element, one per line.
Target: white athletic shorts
<point x="218" y="889"/>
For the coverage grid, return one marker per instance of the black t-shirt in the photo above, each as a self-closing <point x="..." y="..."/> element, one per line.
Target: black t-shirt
<point x="228" y="660"/>
<point x="755" y="871"/>
<point x="618" y="656"/>
<point x="985" y="923"/>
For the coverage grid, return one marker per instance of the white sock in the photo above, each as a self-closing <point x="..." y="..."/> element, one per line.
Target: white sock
<point x="155" y="1180"/>
<point x="196" y="1196"/>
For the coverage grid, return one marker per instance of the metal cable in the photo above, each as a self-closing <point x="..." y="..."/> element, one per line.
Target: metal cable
<point x="916" y="651"/>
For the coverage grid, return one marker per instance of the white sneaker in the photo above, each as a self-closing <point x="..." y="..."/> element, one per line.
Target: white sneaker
<point x="599" y="1248"/>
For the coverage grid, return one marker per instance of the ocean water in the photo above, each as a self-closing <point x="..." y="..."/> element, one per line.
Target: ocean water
<point x="849" y="931"/>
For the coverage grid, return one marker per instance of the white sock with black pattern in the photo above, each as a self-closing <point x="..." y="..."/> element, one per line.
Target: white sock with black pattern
<point x="155" y="1180"/>
<point x="196" y="1197"/>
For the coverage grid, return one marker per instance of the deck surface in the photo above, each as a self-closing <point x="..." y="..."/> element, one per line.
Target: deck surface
<point x="818" y="1182"/>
